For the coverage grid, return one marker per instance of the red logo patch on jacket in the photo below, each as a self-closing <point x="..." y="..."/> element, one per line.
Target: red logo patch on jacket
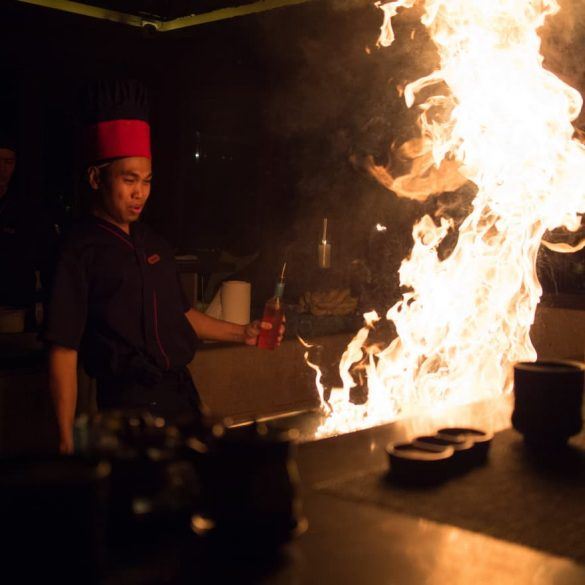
<point x="153" y="259"/>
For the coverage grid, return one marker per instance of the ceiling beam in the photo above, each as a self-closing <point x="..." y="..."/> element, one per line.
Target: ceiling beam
<point x="225" y="13"/>
<point x="88" y="10"/>
<point x="83" y="9"/>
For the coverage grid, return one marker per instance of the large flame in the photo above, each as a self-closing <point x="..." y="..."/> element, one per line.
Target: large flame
<point x="505" y="125"/>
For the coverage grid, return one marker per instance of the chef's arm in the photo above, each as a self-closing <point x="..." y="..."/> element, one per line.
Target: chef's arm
<point x="63" y="385"/>
<point x="211" y="329"/>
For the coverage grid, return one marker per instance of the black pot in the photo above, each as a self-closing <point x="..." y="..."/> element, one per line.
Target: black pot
<point x="548" y="397"/>
<point x="152" y="485"/>
<point x="250" y="487"/>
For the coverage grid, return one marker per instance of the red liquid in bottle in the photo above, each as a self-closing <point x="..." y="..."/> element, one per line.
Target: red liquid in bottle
<point x="273" y="314"/>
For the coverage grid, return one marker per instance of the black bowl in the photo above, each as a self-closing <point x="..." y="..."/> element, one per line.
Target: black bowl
<point x="481" y="440"/>
<point x="463" y="450"/>
<point x="420" y="465"/>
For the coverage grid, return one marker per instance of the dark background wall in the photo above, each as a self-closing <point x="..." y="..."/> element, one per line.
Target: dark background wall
<point x="256" y="121"/>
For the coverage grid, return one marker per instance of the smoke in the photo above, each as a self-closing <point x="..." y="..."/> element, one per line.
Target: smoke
<point x="563" y="44"/>
<point x="335" y="102"/>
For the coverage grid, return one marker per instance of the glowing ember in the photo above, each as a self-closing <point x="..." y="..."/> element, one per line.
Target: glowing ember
<point x="506" y="127"/>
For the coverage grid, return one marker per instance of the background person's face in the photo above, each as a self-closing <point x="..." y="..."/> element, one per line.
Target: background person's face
<point x="125" y="188"/>
<point x="7" y="164"/>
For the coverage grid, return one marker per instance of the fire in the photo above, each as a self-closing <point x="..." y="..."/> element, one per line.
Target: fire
<point x="325" y="407"/>
<point x="504" y="124"/>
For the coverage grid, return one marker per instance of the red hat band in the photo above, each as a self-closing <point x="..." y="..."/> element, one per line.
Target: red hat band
<point x="118" y="139"/>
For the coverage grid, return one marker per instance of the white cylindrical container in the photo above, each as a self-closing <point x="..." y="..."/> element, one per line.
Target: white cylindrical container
<point x="235" y="301"/>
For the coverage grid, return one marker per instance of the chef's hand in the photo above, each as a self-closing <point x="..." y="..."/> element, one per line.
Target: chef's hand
<point x="252" y="330"/>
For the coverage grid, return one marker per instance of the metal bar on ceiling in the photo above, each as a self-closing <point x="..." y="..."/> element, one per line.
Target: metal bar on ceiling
<point x="225" y="13"/>
<point x="83" y="9"/>
<point x="88" y="10"/>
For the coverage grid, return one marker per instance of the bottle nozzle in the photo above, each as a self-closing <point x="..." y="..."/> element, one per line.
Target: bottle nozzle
<point x="279" y="290"/>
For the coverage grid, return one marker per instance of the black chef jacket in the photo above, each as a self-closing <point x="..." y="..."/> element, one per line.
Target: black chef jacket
<point x="117" y="300"/>
<point x="27" y="243"/>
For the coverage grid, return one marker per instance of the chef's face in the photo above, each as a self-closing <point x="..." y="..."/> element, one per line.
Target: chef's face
<point x="7" y="164"/>
<point x="123" y="186"/>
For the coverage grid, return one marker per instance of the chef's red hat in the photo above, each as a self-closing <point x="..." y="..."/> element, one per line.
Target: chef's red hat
<point x="116" y="121"/>
<point x="118" y="139"/>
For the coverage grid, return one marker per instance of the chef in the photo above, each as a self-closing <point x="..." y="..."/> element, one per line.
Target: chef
<point x="116" y="303"/>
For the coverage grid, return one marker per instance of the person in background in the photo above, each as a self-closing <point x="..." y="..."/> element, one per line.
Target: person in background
<point x="27" y="238"/>
<point x="116" y="303"/>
